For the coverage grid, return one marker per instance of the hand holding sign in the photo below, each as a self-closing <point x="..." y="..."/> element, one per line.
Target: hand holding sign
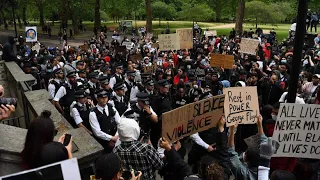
<point x="241" y="105"/>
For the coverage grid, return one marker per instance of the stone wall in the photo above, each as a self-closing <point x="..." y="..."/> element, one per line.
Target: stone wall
<point x="30" y="105"/>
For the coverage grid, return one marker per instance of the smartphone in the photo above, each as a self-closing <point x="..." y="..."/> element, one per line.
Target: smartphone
<point x="67" y="139"/>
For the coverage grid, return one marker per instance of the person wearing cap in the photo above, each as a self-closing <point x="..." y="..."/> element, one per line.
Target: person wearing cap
<point x="310" y="87"/>
<point x="120" y="101"/>
<point x="103" y="120"/>
<point x="149" y="89"/>
<point x="82" y="76"/>
<point x="104" y="83"/>
<point x="80" y="111"/>
<point x="136" y="155"/>
<point x="145" y="115"/>
<point x="65" y="96"/>
<point x="118" y="77"/>
<point x="80" y="65"/>
<point x="161" y="104"/>
<point x="93" y="86"/>
<point x="130" y="82"/>
<point x="54" y="84"/>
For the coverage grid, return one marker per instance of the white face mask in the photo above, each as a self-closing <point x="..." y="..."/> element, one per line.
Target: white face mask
<point x="274" y="117"/>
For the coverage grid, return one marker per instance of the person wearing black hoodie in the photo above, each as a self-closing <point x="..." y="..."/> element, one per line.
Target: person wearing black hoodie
<point x="8" y="51"/>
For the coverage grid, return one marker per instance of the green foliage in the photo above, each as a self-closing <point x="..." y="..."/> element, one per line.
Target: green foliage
<point x="198" y="12"/>
<point x="262" y="12"/>
<point x="163" y="10"/>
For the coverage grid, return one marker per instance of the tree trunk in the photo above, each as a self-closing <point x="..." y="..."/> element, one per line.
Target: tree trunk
<point x="240" y="16"/>
<point x="64" y="14"/>
<point x="74" y="19"/>
<point x="24" y="16"/>
<point x="149" y="15"/>
<point x="218" y="10"/>
<point x="159" y="21"/>
<point x="97" y="19"/>
<point x="40" y="9"/>
<point x="19" y="20"/>
<point x="3" y="18"/>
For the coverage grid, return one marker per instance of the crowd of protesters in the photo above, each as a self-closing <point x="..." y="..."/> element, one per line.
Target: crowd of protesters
<point x="118" y="95"/>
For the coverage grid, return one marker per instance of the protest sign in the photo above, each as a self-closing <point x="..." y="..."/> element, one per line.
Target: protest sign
<point x="211" y="33"/>
<point x="155" y="45"/>
<point x="128" y="45"/>
<point x="118" y="38"/>
<point x="64" y="170"/>
<point x="185" y="38"/>
<point x="168" y="42"/>
<point x="220" y="60"/>
<point x="31" y="34"/>
<point x="135" y="57"/>
<point x="297" y="131"/>
<point x="241" y="105"/>
<point x="200" y="74"/>
<point x="249" y="46"/>
<point x="192" y="118"/>
<point x="84" y="47"/>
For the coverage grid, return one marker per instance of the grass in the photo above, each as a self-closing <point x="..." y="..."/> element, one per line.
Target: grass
<point x="281" y="29"/>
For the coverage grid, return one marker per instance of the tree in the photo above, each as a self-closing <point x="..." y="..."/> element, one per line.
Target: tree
<point x="97" y="19"/>
<point x="162" y="10"/>
<point x="198" y="12"/>
<point x="40" y="5"/>
<point x="149" y="15"/>
<point x="240" y="16"/>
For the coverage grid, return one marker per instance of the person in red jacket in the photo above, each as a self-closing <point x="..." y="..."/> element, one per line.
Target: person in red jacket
<point x="179" y="76"/>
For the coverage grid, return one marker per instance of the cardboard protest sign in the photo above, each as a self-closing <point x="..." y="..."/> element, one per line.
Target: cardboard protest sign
<point x="84" y="47"/>
<point x="155" y="45"/>
<point x="241" y="105"/>
<point x="121" y="49"/>
<point x="135" y="57"/>
<point x="186" y="38"/>
<point x="192" y="118"/>
<point x="168" y="42"/>
<point x="297" y="131"/>
<point x="249" y="46"/>
<point x="211" y="33"/>
<point x="220" y="60"/>
<point x="31" y="34"/>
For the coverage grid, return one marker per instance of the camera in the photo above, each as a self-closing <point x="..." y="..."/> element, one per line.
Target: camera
<point x="8" y="101"/>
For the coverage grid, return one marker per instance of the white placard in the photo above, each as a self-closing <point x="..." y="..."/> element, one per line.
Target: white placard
<point x="297" y="131"/>
<point x="31" y="34"/>
<point x="65" y="170"/>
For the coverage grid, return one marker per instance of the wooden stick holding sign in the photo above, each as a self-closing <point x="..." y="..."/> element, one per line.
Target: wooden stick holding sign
<point x="241" y="105"/>
<point x="297" y="131"/>
<point x="220" y="60"/>
<point x="192" y="118"/>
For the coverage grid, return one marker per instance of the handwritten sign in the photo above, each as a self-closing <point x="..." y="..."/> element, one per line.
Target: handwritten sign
<point x="241" y="105"/>
<point x="128" y="45"/>
<point x="211" y="33"/>
<point x="249" y="46"/>
<point x="220" y="60"/>
<point x="297" y="131"/>
<point x="192" y="118"/>
<point x="168" y="42"/>
<point x="186" y="38"/>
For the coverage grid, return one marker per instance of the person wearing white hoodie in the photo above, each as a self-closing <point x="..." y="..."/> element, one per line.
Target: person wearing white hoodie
<point x="134" y="154"/>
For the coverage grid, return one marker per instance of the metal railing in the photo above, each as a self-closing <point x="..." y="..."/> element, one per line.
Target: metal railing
<point x="12" y="121"/>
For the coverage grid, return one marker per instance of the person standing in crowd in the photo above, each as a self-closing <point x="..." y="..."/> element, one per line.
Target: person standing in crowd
<point x="134" y="154"/>
<point x="317" y="40"/>
<point x="65" y="96"/>
<point x="120" y="100"/>
<point x="161" y="104"/>
<point x="308" y="19"/>
<point x="118" y="77"/>
<point x="81" y="110"/>
<point x="143" y="113"/>
<point x="55" y="83"/>
<point x="130" y="83"/>
<point x="103" y="120"/>
<point x="314" y="22"/>
<point x="8" y="50"/>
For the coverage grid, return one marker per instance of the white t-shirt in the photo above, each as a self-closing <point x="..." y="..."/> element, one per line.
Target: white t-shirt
<point x="293" y="27"/>
<point x="298" y="99"/>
